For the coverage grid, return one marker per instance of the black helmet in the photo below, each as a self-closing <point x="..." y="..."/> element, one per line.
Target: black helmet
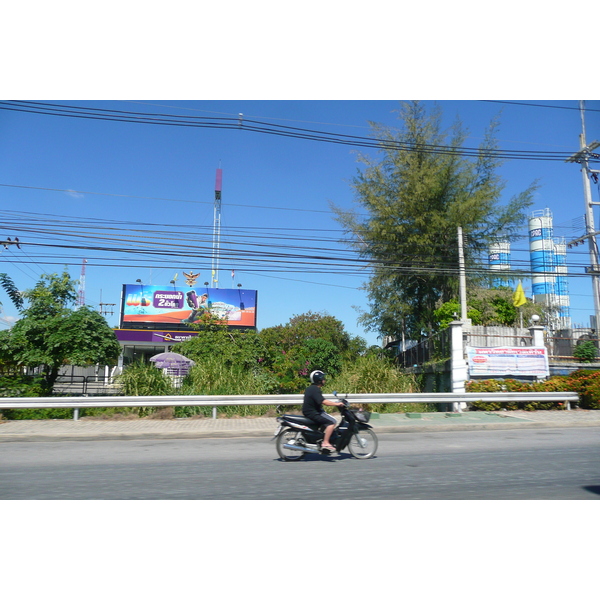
<point x="317" y="377"/>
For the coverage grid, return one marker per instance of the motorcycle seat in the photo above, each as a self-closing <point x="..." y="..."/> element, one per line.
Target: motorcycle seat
<point x="301" y="420"/>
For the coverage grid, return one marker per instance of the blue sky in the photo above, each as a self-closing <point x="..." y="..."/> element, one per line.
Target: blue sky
<point x="275" y="188"/>
<point x="316" y="66"/>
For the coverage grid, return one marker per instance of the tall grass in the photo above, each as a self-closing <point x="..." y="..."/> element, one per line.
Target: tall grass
<point x="372" y="374"/>
<point x="143" y="379"/>
<point x="213" y="377"/>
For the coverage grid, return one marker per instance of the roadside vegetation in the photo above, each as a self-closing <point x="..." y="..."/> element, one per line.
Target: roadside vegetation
<point x="586" y="382"/>
<point x="276" y="360"/>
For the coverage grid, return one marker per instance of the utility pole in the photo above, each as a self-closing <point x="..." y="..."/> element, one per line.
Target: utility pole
<point x="582" y="157"/>
<point x="462" y="277"/>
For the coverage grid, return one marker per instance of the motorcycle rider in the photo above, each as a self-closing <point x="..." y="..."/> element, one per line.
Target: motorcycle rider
<point x="312" y="407"/>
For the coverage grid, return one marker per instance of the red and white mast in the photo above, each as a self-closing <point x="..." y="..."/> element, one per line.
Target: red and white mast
<point x="217" y="229"/>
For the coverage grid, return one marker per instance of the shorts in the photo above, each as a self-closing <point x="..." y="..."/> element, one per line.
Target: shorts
<point x="322" y="418"/>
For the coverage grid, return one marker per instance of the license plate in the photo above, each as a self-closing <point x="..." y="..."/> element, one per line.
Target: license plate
<point x="278" y="430"/>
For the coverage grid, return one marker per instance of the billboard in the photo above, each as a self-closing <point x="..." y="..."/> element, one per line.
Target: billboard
<point x="505" y="360"/>
<point x="168" y="306"/>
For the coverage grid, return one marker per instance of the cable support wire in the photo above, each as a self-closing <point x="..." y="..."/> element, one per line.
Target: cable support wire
<point x="251" y="125"/>
<point x="286" y="264"/>
<point x="253" y="206"/>
<point x="161" y="238"/>
<point x="163" y="235"/>
<point x="232" y="249"/>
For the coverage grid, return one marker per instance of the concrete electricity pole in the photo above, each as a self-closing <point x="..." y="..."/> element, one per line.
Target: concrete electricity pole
<point x="462" y="277"/>
<point x="582" y="157"/>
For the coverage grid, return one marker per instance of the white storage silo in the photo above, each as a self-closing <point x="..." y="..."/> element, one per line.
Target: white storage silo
<point x="542" y="257"/>
<point x="499" y="261"/>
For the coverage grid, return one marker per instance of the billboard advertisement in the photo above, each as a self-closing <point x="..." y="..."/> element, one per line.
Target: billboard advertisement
<point x="170" y="305"/>
<point x="505" y="360"/>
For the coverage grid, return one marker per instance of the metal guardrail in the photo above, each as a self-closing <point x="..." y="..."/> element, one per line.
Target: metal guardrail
<point x="284" y="399"/>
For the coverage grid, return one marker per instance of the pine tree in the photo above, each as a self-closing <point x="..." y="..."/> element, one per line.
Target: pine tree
<point x="416" y="195"/>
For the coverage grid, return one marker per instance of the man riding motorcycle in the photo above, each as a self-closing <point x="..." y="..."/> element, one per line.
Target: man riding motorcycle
<point x="312" y="407"/>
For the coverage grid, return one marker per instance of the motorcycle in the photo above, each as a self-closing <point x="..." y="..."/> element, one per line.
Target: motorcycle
<point x="297" y="435"/>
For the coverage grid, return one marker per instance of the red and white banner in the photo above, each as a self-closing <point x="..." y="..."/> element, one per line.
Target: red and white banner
<point x="506" y="360"/>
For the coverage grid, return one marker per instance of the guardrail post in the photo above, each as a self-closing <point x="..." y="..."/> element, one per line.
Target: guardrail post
<point x="214" y="412"/>
<point x="458" y="364"/>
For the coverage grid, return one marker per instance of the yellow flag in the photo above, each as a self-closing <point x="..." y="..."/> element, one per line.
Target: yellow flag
<point x="519" y="296"/>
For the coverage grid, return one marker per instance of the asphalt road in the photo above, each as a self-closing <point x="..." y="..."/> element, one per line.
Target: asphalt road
<point x="495" y="465"/>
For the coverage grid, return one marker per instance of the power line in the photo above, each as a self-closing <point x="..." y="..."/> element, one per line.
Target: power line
<point x="45" y="189"/>
<point x="540" y="105"/>
<point x="271" y="129"/>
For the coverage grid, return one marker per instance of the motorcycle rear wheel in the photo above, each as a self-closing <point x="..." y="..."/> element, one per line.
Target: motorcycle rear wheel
<point x="288" y="436"/>
<point x="369" y="444"/>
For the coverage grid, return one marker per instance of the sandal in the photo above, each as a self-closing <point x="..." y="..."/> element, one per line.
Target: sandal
<point x="329" y="448"/>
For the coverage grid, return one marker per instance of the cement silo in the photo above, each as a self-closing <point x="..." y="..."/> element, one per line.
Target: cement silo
<point x="541" y="249"/>
<point x="499" y="262"/>
<point x="548" y="258"/>
<point x="561" y="285"/>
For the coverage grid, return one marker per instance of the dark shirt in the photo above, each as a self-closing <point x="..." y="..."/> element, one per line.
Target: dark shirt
<point x="313" y="401"/>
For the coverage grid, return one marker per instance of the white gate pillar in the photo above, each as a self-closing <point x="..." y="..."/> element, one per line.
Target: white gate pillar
<point x="537" y="333"/>
<point x="458" y="364"/>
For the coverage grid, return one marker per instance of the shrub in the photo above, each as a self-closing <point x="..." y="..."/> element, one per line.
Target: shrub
<point x="21" y="386"/>
<point x="586" y="351"/>
<point x="585" y="382"/>
<point x="31" y="414"/>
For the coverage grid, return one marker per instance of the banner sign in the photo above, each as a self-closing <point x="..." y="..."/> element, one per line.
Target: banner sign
<point x="506" y="360"/>
<point x="169" y="305"/>
<point x="157" y="337"/>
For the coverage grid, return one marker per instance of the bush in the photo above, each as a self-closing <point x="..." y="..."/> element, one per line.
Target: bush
<point x="585" y="382"/>
<point x="586" y="351"/>
<point x="32" y="414"/>
<point x="21" y="386"/>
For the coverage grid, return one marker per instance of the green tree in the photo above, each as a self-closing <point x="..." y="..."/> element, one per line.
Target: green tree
<point x="312" y="325"/>
<point x="422" y="188"/>
<point x="50" y="333"/>
<point x="450" y="311"/>
<point x="307" y="342"/>
<point x="493" y="307"/>
<point x="11" y="289"/>
<point x="231" y="347"/>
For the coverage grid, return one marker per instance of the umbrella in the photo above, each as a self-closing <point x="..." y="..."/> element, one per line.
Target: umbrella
<point x="172" y="360"/>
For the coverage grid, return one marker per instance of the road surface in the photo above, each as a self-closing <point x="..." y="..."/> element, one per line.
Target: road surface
<point x="495" y="465"/>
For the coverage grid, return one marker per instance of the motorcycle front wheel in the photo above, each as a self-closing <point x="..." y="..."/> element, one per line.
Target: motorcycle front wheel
<point x="363" y="444"/>
<point x="288" y="436"/>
